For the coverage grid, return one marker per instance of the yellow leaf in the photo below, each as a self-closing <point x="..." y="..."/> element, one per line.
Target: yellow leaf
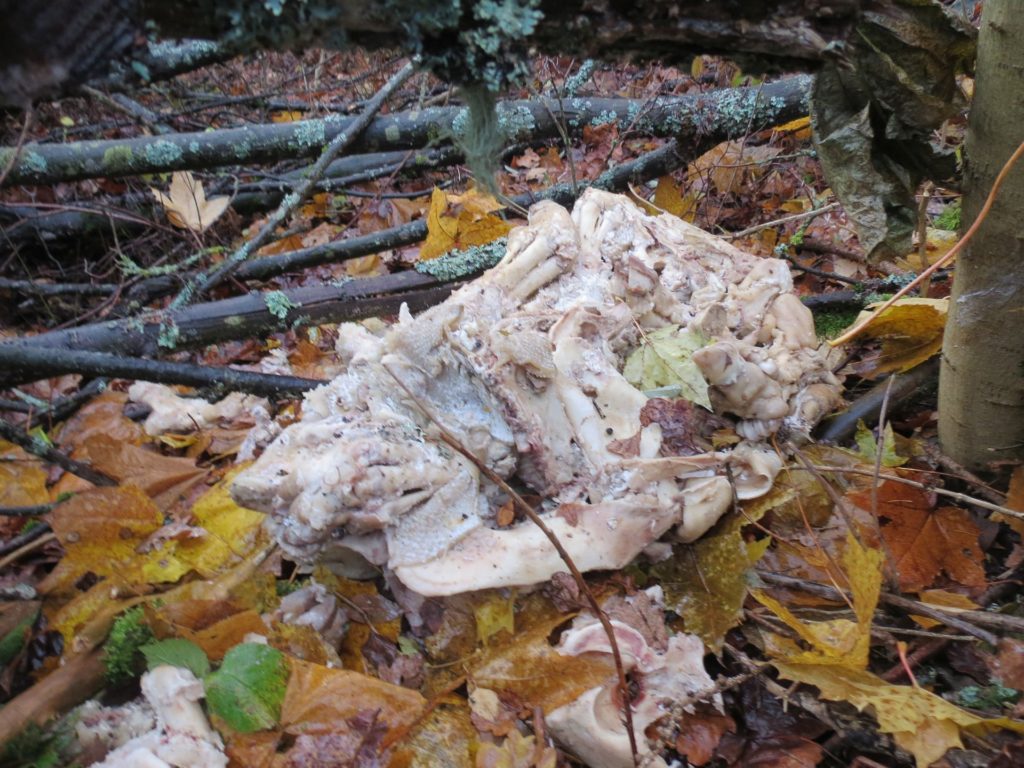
<point x="707" y="581"/>
<point x="22" y="478"/>
<point x="669" y="197"/>
<point x="945" y="599"/>
<point x="922" y="723"/>
<point x="461" y="221"/>
<point x="286" y="116"/>
<point x="910" y="332"/>
<point x="800" y="128"/>
<point x="839" y="642"/>
<point x="187" y="206"/>
<point x="231" y="533"/>
<point x="100" y="530"/>
<point x="494" y="615"/>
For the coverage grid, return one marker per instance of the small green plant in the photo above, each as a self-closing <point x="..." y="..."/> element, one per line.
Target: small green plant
<point x="949" y="219"/>
<point x="123" y="658"/>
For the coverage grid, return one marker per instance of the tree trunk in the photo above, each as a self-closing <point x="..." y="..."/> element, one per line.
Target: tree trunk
<point x="981" y="390"/>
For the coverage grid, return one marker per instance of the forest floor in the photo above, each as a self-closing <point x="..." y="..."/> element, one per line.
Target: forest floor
<point x="864" y="612"/>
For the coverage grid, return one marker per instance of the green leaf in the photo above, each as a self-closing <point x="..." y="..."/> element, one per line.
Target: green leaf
<point x="665" y="359"/>
<point x="177" y="652"/>
<point x="247" y="691"/>
<point x="867" y="445"/>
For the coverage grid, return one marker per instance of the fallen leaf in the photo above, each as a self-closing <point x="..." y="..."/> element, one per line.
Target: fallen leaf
<point x="867" y="445"/>
<point x="444" y="737"/>
<point x="706" y="582"/>
<point x="247" y="690"/>
<point x="22" y="478"/>
<point x="187" y="206"/>
<point x="318" y="698"/>
<point x="925" y="542"/>
<point x="664" y="359"/>
<point x="166" y="479"/>
<point x="516" y="751"/>
<point x="100" y="530"/>
<point x="1015" y="501"/>
<point x="909" y="332"/>
<point x="461" y="221"/>
<point x="922" y="723"/>
<point x="496" y="614"/>
<point x="286" y="116"/>
<point x="943" y="599"/>
<point x="839" y="642"/>
<point x="699" y="735"/>
<point x="528" y="667"/>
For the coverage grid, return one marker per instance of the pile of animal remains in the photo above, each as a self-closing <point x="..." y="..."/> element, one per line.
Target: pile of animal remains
<point x="524" y="368"/>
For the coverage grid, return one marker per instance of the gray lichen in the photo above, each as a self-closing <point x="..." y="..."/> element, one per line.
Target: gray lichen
<point x="278" y="304"/>
<point x="309" y="134"/>
<point x="163" y="153"/>
<point x="460" y="263"/>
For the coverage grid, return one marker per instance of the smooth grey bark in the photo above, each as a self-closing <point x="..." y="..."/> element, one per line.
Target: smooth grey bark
<point x="981" y="389"/>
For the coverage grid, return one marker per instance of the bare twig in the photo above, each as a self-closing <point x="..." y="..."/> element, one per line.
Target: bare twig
<point x="43" y="362"/>
<point x="292" y="201"/>
<point x="963" y="498"/>
<point x="945" y="615"/>
<point x="38" y="448"/>
<point x="784" y="220"/>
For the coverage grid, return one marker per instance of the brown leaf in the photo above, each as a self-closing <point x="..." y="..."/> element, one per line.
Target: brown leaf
<point x="1014" y="500"/>
<point x="319" y="699"/>
<point x="699" y="735"/>
<point x="924" y="544"/>
<point x="166" y="479"/>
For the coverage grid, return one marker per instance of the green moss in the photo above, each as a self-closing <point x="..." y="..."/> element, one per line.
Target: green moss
<point x="122" y="657"/>
<point x="118" y="159"/>
<point x="829" y="325"/>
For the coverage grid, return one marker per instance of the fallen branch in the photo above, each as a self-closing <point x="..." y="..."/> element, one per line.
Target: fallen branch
<point x="33" y="363"/>
<point x="37" y="447"/>
<point x="291" y="201"/>
<point x="730" y="111"/>
<point x="243" y="317"/>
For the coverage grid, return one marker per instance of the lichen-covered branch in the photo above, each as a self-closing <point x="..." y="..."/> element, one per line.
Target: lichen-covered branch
<point x="732" y="112"/>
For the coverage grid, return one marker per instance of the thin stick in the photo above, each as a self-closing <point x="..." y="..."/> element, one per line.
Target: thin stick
<point x="531" y="513"/>
<point x="779" y="222"/>
<point x="38" y="448"/>
<point x="292" y="201"/>
<point x="941" y="262"/>
<point x="924" y="609"/>
<point x="32" y="546"/>
<point x="963" y="498"/>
